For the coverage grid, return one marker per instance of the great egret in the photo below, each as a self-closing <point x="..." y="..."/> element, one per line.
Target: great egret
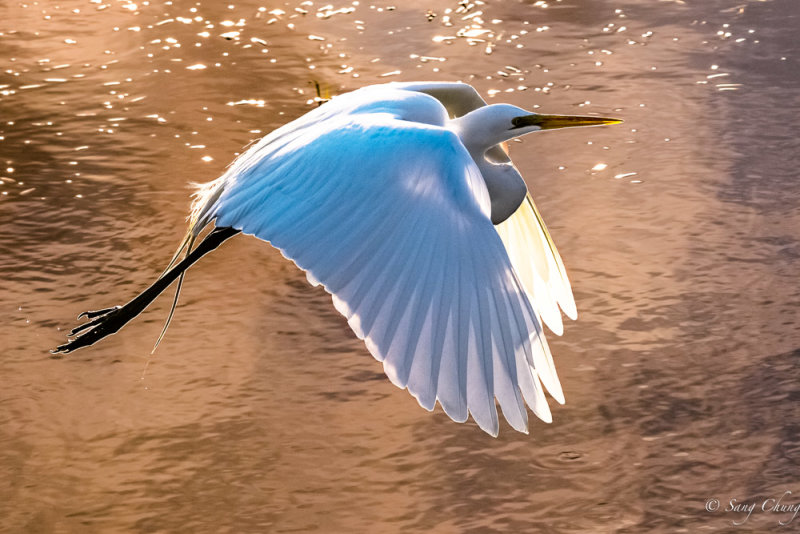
<point x="400" y="200"/>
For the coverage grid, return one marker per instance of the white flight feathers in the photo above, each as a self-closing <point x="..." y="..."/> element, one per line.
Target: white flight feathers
<point x="379" y="201"/>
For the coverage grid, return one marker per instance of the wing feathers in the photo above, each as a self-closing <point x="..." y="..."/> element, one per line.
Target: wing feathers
<point x="396" y="229"/>
<point x="402" y="353"/>
<point x="505" y="370"/>
<point x="538" y="264"/>
<point x="480" y="380"/>
<point x="424" y="377"/>
<point x="451" y="391"/>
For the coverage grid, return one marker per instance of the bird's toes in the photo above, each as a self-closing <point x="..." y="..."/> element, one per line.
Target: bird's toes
<point x="61" y="349"/>
<point x="96" y="317"/>
<point x="87" y="333"/>
<point x="91" y="314"/>
<point x="80" y="328"/>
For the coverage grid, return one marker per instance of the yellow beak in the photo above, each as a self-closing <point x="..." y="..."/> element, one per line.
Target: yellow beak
<point x="551" y="122"/>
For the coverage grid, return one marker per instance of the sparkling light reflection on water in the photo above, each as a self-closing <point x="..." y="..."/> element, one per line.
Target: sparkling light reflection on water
<point x="261" y="411"/>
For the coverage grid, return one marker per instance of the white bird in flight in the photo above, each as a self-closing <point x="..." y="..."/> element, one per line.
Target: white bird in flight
<point x="401" y="201"/>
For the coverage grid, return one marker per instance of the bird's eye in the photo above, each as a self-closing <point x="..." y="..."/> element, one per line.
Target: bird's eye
<point x="518" y="122"/>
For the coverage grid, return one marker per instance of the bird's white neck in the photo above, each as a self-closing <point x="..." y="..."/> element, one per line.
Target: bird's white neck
<point x="481" y="131"/>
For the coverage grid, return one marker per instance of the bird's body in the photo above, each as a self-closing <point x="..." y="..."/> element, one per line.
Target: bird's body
<point x="387" y="197"/>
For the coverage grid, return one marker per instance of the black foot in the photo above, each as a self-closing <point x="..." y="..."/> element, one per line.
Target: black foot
<point x="105" y="322"/>
<point x="98" y="313"/>
<point x="102" y="323"/>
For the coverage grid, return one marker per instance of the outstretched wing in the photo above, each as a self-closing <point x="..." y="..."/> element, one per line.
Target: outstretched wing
<point x="530" y="247"/>
<point x="456" y="97"/>
<point x="538" y="264"/>
<point x="392" y="217"/>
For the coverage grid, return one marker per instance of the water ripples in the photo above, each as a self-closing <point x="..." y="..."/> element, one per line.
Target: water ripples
<point x="261" y="411"/>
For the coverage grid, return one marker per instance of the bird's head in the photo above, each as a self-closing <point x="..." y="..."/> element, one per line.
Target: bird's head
<point x="518" y="121"/>
<point x="531" y="122"/>
<point x="495" y="123"/>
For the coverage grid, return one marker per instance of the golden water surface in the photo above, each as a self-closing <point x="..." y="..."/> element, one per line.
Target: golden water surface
<point x="261" y="411"/>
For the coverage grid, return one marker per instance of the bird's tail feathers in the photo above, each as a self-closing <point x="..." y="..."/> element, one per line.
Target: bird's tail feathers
<point x="203" y="201"/>
<point x="188" y="243"/>
<point x="187" y="239"/>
